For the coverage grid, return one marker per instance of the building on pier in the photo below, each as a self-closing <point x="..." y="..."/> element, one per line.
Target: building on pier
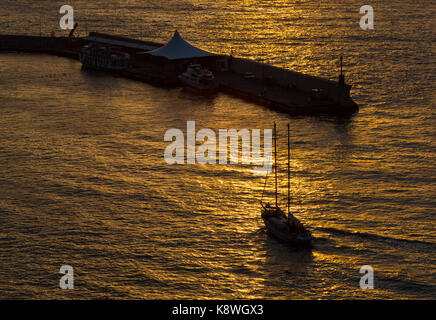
<point x="121" y="43"/>
<point x="174" y="57"/>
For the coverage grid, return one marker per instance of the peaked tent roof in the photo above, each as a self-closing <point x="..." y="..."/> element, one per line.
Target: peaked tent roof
<point x="178" y="48"/>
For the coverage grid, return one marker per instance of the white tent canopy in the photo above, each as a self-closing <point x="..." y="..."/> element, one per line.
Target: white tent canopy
<point x="178" y="48"/>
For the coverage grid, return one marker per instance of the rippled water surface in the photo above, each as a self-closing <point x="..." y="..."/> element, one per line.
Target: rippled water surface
<point x="83" y="180"/>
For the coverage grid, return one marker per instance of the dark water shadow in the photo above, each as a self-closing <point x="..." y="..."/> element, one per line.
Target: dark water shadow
<point x="278" y="252"/>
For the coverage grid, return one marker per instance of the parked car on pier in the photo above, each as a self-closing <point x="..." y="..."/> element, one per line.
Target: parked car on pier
<point x="249" y="75"/>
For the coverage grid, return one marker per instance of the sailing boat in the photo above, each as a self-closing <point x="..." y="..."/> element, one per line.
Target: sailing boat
<point x="284" y="226"/>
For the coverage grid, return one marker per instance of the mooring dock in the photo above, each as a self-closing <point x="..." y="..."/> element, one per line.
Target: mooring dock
<point x="160" y="64"/>
<point x="285" y="99"/>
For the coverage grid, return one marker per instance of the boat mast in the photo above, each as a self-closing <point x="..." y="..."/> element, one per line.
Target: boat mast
<point x="289" y="173"/>
<point x="275" y="160"/>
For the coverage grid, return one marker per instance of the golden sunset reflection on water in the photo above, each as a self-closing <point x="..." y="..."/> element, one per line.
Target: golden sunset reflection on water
<point x="84" y="181"/>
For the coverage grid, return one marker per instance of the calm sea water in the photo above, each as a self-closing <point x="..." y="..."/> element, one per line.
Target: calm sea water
<point x="83" y="180"/>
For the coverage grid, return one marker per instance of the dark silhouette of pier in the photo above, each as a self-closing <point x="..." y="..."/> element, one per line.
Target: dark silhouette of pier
<point x="277" y="88"/>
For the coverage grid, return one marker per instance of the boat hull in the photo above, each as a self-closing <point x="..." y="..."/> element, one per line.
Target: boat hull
<point x="278" y="231"/>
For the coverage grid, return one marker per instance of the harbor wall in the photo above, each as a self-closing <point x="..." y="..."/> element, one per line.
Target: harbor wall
<point x="291" y="89"/>
<point x="287" y="78"/>
<point x="40" y="44"/>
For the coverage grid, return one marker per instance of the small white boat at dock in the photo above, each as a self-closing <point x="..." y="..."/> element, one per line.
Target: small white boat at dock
<point x="199" y="78"/>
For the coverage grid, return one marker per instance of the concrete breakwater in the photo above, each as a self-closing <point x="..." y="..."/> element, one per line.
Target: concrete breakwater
<point x="288" y="91"/>
<point x="277" y="88"/>
<point x="62" y="46"/>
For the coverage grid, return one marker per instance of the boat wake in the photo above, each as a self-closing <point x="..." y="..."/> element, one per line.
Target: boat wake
<point x="375" y="237"/>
